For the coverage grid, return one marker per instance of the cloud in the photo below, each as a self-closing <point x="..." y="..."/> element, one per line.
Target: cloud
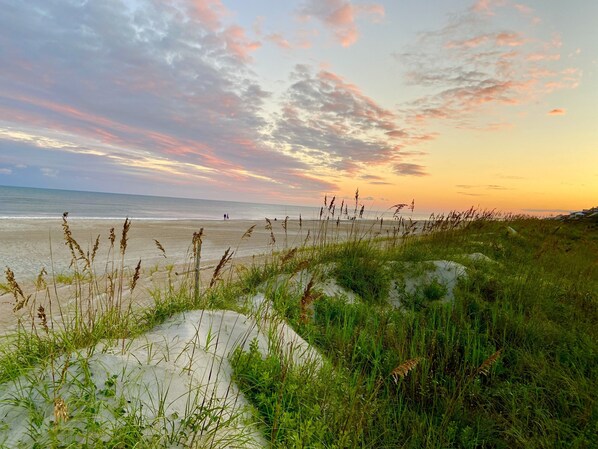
<point x="209" y="13"/>
<point x="523" y="9"/>
<point x="329" y="122"/>
<point x="489" y="7"/>
<point x="157" y="90"/>
<point x="557" y="111"/>
<point x="479" y="189"/>
<point x="237" y="42"/>
<point x="49" y="172"/>
<point x="476" y="61"/>
<point x="279" y="40"/>
<point x="5" y="171"/>
<point x="407" y="169"/>
<point x="340" y="16"/>
<point x="375" y="180"/>
<point x="483" y="186"/>
<point x="371" y="177"/>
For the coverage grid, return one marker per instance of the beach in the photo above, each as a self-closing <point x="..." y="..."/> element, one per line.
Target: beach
<point x="28" y="246"/>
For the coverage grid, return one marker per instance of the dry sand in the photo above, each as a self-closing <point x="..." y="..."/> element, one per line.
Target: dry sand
<point x="29" y="245"/>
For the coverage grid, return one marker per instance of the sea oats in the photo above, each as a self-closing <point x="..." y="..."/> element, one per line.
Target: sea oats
<point x="308" y="297"/>
<point x="248" y="233"/>
<point x="160" y="247"/>
<point x="484" y="368"/>
<point x="226" y="257"/>
<point x="136" y="276"/>
<point x="124" y="236"/>
<point x="403" y="369"/>
<point x="13" y="286"/>
<point x="94" y="251"/>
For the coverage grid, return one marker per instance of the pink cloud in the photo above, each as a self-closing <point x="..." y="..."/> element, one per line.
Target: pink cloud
<point x="482" y="64"/>
<point x="487" y="6"/>
<point x="543" y="57"/>
<point x="501" y="39"/>
<point x="179" y="104"/>
<point x="523" y="9"/>
<point x="238" y="43"/>
<point x="509" y="39"/>
<point x="469" y="43"/>
<point x="85" y="125"/>
<point x="375" y="11"/>
<point x="341" y="15"/>
<point x="209" y="13"/>
<point x="557" y="111"/>
<point x="279" y="40"/>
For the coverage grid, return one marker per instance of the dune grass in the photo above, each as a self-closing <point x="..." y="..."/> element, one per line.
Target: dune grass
<point x="512" y="362"/>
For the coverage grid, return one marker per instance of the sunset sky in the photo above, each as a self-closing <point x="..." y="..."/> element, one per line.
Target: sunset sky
<point x="490" y="103"/>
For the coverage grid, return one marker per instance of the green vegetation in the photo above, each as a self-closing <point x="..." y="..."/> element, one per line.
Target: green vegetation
<point x="360" y="268"/>
<point x="510" y="362"/>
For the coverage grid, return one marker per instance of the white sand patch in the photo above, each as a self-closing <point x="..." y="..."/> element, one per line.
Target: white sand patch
<point x="296" y="283"/>
<point x="413" y="279"/>
<point x="175" y="382"/>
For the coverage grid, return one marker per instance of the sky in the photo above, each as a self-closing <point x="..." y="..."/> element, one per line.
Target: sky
<point x="450" y="103"/>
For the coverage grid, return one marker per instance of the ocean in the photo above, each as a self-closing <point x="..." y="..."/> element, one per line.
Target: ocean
<point x="34" y="203"/>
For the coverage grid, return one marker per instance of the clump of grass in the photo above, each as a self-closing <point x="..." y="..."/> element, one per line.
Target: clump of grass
<point x="434" y="290"/>
<point x="360" y="270"/>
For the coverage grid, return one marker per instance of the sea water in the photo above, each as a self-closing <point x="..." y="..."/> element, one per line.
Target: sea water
<point x="25" y="202"/>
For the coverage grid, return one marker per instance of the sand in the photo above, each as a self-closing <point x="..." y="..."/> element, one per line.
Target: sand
<point x="178" y="363"/>
<point x="29" y="245"/>
<point x="166" y="373"/>
<point x="178" y="369"/>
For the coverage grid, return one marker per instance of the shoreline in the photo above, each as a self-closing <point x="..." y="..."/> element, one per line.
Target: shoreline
<point x="29" y="245"/>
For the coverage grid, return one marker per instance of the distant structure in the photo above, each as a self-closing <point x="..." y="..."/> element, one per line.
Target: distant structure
<point x="591" y="214"/>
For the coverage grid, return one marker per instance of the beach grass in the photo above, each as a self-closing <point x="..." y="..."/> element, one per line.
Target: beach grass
<point x="509" y="361"/>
